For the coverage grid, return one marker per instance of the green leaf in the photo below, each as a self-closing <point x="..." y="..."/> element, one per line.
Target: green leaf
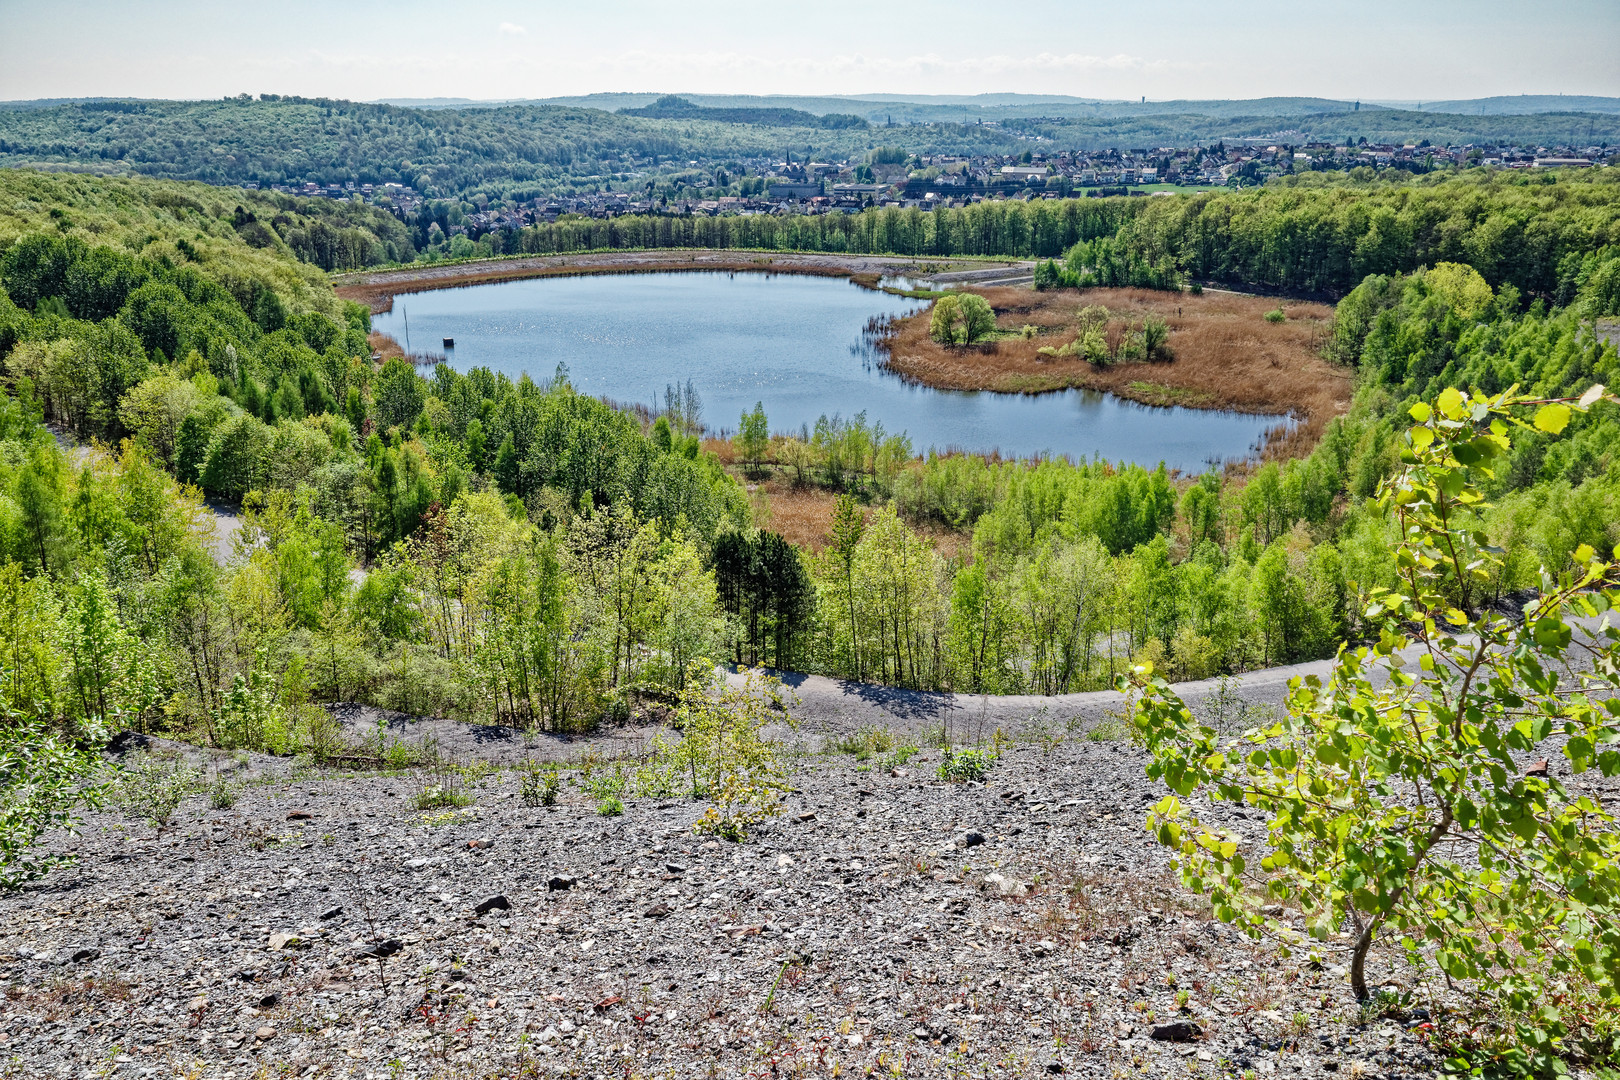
<point x="1552" y="418"/>
<point x="1551" y="634"/>
<point x="1450" y="403"/>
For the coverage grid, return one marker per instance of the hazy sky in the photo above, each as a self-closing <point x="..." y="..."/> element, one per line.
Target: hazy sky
<point x="366" y="49"/>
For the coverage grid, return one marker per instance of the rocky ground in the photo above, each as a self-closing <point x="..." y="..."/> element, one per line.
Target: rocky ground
<point x="885" y="923"/>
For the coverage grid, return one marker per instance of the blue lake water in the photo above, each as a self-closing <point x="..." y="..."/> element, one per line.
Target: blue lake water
<point x="794" y="343"/>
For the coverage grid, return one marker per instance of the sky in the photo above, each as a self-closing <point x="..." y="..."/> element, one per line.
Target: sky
<point x="501" y="49"/>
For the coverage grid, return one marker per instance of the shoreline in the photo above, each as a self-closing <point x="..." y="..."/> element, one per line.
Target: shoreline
<point x="377" y="289"/>
<point x="1228" y="358"/>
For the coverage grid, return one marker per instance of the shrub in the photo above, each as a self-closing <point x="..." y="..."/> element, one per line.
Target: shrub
<point x="962" y="766"/>
<point x="44" y="778"/>
<point x="723" y="752"/>
<point x="153" y="788"/>
<point x="1276" y="315"/>
<point x="222" y="795"/>
<point x="1155" y="337"/>
<point x="901" y="755"/>
<point x="1399" y="805"/>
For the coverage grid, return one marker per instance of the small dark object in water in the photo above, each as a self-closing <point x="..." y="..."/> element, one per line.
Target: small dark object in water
<point x="449" y="342"/>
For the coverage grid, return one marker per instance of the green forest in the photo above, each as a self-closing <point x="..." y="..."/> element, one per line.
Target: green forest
<point x="519" y="152"/>
<point x="1320" y="233"/>
<point x="1545" y="234"/>
<point x="516" y="551"/>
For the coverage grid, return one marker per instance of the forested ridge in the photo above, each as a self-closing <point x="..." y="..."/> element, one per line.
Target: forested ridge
<point x="538" y="148"/>
<point x="522" y="151"/>
<point x="536" y="556"/>
<point x="242" y="233"/>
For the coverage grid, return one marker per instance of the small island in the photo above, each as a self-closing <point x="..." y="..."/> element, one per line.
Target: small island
<point x="1216" y="350"/>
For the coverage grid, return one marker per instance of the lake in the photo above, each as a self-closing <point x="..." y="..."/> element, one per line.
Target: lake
<point x="795" y="343"/>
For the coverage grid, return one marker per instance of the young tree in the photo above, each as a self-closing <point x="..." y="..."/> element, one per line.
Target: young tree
<point x="847" y="526"/>
<point x="39" y="499"/>
<point x="753" y="436"/>
<point x="1404" y="794"/>
<point x="1155" y="334"/>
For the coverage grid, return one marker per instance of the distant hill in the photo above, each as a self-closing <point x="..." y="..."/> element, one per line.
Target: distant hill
<point x="534" y="149"/>
<point x="673" y="107"/>
<point x="1524" y="105"/>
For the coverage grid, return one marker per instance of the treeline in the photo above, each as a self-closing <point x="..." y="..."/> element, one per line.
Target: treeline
<point x="1309" y="234"/>
<point x="1543" y="233"/>
<point x="1314" y="234"/>
<point x="1006" y="228"/>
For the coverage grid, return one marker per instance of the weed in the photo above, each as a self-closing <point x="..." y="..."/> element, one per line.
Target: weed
<point x="899" y="757"/>
<point x="1228" y="712"/>
<point x="1108" y="729"/>
<point x="446" y="817"/>
<point x="1276" y="315"/>
<point x="865" y="741"/>
<point x="440" y="787"/>
<point x="610" y="806"/>
<point x="1046" y="734"/>
<point x="540" y="784"/>
<point x="962" y="766"/>
<point x="475" y="772"/>
<point x="222" y="795"/>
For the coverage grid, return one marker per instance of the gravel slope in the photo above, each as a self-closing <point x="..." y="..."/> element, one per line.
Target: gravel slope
<point x="1021" y="927"/>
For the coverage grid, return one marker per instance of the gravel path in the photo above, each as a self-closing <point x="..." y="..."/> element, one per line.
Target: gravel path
<point x="377" y="287"/>
<point x="835" y="705"/>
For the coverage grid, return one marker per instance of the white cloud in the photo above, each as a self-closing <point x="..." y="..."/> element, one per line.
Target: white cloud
<point x="512" y="29"/>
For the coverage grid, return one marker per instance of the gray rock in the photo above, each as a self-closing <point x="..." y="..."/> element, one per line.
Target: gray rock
<point x="379" y="950"/>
